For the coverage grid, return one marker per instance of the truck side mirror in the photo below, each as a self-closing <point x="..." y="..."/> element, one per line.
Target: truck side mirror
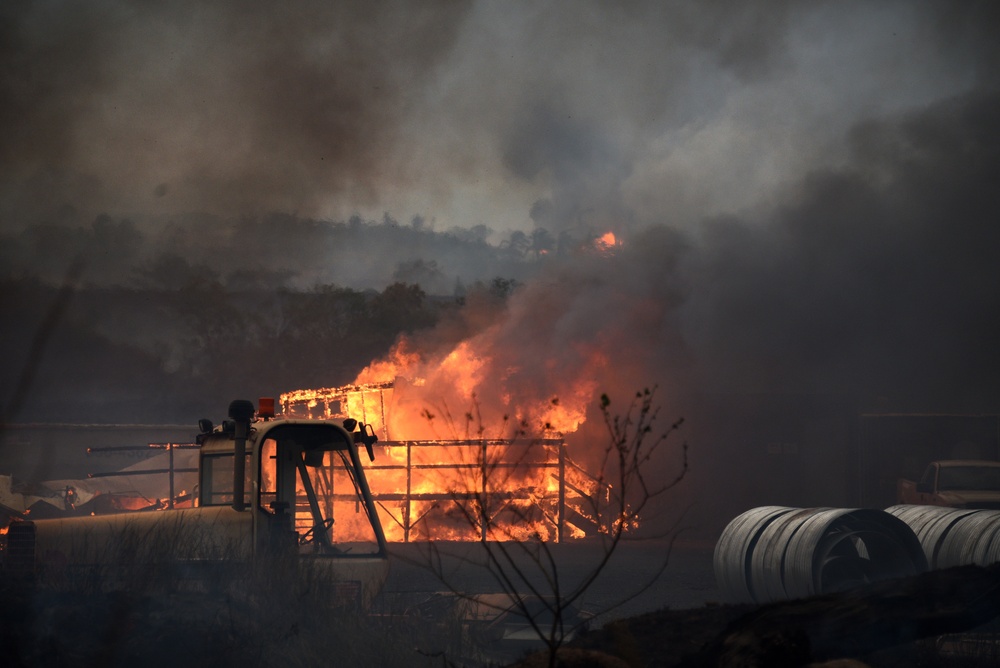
<point x="313" y="458"/>
<point x="368" y="437"/>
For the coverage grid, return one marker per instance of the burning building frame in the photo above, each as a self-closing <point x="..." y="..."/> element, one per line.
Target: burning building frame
<point x="465" y="489"/>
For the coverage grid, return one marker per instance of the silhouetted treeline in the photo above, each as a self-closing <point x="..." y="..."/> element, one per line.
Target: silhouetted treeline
<point x="276" y="251"/>
<point x="171" y="318"/>
<point x="161" y="354"/>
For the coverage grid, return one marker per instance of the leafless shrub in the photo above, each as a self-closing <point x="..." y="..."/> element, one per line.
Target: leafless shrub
<point x="525" y="569"/>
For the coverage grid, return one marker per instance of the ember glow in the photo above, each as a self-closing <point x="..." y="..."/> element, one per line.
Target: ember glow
<point x="606" y="243"/>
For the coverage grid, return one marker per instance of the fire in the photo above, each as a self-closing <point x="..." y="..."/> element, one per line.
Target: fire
<point x="606" y="243"/>
<point x="400" y="362"/>
<point x="471" y="435"/>
<point x="461" y="393"/>
<point x="467" y="490"/>
<point x="443" y="490"/>
<point x="516" y="488"/>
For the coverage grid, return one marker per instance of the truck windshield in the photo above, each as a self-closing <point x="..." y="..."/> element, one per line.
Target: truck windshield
<point x="316" y="489"/>
<point x="969" y="478"/>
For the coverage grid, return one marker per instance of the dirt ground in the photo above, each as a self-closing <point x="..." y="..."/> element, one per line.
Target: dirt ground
<point x="932" y="620"/>
<point x="942" y="619"/>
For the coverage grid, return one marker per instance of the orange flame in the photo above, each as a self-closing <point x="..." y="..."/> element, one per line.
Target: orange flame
<point x="606" y="243"/>
<point x="518" y="488"/>
<point x="503" y="465"/>
<point x="459" y="394"/>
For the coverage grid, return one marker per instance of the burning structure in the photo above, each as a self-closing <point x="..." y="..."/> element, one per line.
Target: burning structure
<point x="519" y="487"/>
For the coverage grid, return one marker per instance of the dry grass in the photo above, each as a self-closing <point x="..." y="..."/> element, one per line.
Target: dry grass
<point x="132" y="603"/>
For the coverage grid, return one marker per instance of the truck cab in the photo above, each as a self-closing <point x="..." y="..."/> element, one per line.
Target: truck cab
<point x="973" y="484"/>
<point x="284" y="493"/>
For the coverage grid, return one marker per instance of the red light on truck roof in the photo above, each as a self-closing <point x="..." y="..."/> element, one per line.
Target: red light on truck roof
<point x="265" y="407"/>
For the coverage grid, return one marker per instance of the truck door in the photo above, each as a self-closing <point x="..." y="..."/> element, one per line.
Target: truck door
<point x="927" y="485"/>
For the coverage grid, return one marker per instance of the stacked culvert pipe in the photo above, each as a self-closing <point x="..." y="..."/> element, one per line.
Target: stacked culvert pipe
<point x="953" y="536"/>
<point x="775" y="553"/>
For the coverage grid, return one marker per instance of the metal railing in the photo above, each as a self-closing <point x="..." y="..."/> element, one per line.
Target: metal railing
<point x="486" y="479"/>
<point x="170" y="471"/>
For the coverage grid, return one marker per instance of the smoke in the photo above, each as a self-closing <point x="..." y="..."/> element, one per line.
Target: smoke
<point x="874" y="280"/>
<point x="870" y="288"/>
<point x="805" y="191"/>
<point x="802" y="189"/>
<point x="589" y="117"/>
<point x="227" y="107"/>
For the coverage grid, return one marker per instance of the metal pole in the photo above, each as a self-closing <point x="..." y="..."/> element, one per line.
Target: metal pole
<point x="241" y="412"/>
<point x="170" y="449"/>
<point x="562" y="492"/>
<point x="483" y="510"/>
<point x="385" y="425"/>
<point x="406" y="510"/>
<point x="861" y="468"/>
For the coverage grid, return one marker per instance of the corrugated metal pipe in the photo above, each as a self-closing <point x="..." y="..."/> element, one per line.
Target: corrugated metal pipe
<point x="776" y="553"/>
<point x="954" y="536"/>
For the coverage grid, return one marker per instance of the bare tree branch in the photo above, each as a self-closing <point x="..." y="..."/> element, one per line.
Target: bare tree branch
<point x="40" y="340"/>
<point x="525" y="569"/>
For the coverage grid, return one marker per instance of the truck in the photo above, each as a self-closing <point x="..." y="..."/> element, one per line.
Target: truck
<point x="273" y="493"/>
<point x="954" y="483"/>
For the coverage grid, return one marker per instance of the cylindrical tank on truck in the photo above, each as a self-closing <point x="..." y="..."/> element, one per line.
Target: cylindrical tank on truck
<point x="279" y="494"/>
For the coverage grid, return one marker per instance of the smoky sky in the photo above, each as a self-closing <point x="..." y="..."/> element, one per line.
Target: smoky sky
<point x="873" y="282"/>
<point x="567" y="115"/>
<point x="877" y="279"/>
<point x="806" y="191"/>
<point x="236" y="107"/>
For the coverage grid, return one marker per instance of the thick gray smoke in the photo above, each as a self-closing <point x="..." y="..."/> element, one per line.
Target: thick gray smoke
<point x="826" y="166"/>
<point x="228" y="107"/>
<point x="877" y="279"/>
<point x="581" y="116"/>
<point x="874" y="280"/>
<point x="806" y="193"/>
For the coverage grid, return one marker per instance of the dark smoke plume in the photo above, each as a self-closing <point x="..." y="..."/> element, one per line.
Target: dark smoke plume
<point x="805" y="193"/>
<point x="225" y="107"/>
